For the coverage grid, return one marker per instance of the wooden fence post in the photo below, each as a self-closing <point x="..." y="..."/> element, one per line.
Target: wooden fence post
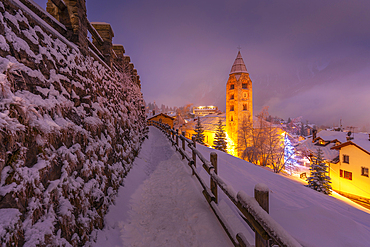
<point x="183" y="143"/>
<point x="194" y="155"/>
<point x="213" y="158"/>
<point x="177" y="137"/>
<point x="261" y="194"/>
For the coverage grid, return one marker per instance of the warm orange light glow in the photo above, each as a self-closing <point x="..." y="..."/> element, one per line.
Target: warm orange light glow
<point x="231" y="147"/>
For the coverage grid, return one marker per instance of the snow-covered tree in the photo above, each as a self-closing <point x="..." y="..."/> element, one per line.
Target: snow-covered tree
<point x="220" y="142"/>
<point x="318" y="179"/>
<point x="199" y="136"/>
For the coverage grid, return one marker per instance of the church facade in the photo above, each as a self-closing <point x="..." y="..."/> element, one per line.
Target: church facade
<point x="239" y="101"/>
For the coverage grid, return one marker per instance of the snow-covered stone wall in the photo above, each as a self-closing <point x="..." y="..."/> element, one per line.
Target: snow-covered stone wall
<point x="70" y="128"/>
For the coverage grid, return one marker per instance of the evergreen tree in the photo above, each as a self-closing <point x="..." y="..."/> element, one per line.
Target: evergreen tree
<point x="220" y="138"/>
<point x="318" y="180"/>
<point x="199" y="136"/>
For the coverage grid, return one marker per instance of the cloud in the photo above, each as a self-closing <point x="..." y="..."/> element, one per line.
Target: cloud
<point x="346" y="99"/>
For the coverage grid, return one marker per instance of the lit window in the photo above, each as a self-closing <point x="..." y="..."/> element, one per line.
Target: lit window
<point x="345" y="159"/>
<point x="345" y="174"/>
<point x="231" y="108"/>
<point x="244" y="107"/>
<point x="365" y="171"/>
<point x="232" y="96"/>
<point x="231" y="86"/>
<point x="244" y="85"/>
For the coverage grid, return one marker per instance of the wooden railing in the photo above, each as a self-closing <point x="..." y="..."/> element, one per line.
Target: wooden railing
<point x="253" y="210"/>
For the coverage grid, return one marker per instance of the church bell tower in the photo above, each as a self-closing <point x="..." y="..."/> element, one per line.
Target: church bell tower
<point x="239" y="104"/>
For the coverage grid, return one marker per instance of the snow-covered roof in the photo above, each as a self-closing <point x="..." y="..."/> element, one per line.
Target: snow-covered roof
<point x="363" y="144"/>
<point x="328" y="153"/>
<point x="164" y="115"/>
<point x="210" y="122"/>
<point x="171" y="114"/>
<point x="330" y="150"/>
<point x="238" y="66"/>
<point x="328" y="135"/>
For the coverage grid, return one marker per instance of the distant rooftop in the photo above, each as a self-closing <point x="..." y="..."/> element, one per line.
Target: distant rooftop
<point x="329" y="150"/>
<point x="238" y="66"/>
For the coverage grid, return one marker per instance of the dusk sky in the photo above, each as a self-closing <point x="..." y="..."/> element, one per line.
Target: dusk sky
<point x="305" y="58"/>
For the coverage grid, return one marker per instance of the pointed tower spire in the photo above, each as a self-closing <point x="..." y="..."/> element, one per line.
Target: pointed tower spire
<point x="238" y="66"/>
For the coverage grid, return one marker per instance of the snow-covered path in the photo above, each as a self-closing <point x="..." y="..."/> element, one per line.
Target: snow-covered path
<point x="160" y="204"/>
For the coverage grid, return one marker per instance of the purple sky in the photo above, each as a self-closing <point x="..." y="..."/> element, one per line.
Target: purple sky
<point x="305" y="58"/>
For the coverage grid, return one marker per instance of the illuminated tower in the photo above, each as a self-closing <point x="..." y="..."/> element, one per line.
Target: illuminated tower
<point x="239" y="104"/>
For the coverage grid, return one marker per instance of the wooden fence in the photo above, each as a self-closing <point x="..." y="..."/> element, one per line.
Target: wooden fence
<point x="253" y="210"/>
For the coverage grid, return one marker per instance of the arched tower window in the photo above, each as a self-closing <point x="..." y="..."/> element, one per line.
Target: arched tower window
<point x="231" y="86"/>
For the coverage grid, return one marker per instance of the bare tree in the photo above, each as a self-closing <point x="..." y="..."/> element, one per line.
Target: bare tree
<point x="275" y="149"/>
<point x="262" y="134"/>
<point x="247" y="141"/>
<point x="261" y="143"/>
<point x="184" y="111"/>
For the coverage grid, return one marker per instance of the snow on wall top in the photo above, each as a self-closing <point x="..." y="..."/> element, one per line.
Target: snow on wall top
<point x="70" y="130"/>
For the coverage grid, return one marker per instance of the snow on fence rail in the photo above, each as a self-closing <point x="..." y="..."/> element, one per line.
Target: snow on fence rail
<point x="253" y="210"/>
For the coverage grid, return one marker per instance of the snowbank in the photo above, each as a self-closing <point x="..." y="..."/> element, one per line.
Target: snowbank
<point x="312" y="218"/>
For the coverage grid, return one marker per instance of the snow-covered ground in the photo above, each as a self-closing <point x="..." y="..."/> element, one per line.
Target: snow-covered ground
<point x="312" y="218"/>
<point x="161" y="205"/>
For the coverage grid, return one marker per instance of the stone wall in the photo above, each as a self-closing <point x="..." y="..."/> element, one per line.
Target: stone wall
<point x="70" y="129"/>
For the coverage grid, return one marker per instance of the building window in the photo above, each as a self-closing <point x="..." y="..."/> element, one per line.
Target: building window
<point x="323" y="143"/>
<point x="244" y="95"/>
<point x="244" y="85"/>
<point x="345" y="159"/>
<point x="365" y="171"/>
<point x="245" y="107"/>
<point x="231" y="118"/>
<point x="345" y="174"/>
<point x="232" y="96"/>
<point x="231" y="108"/>
<point x="231" y="86"/>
